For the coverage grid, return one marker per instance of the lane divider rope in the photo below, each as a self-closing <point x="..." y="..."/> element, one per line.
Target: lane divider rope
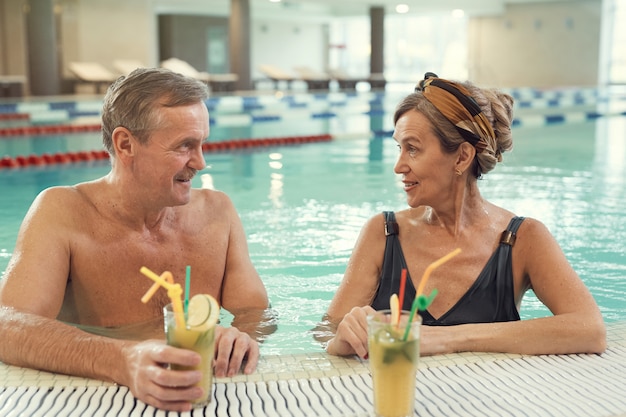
<point x="207" y="147"/>
<point x="48" y="129"/>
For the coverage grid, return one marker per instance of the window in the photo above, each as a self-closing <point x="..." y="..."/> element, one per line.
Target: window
<point x="413" y="46"/>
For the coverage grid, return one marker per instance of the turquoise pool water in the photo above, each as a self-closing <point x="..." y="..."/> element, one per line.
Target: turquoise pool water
<point x="303" y="206"/>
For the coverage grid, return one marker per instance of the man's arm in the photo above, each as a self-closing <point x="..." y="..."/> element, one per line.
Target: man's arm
<point x="31" y="295"/>
<point x="39" y="342"/>
<point x="242" y="287"/>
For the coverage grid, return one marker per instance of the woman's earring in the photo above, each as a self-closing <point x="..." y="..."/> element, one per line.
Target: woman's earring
<point x="458" y="172"/>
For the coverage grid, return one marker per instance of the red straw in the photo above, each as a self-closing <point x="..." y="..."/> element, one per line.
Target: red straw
<point x="402" y="285"/>
<point x="401" y="297"/>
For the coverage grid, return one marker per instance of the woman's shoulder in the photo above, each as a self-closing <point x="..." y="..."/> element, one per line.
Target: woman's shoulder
<point x="400" y="215"/>
<point x="532" y="227"/>
<point x="375" y="222"/>
<point x="412" y="214"/>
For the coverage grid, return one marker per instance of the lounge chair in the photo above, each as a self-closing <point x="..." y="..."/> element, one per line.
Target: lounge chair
<point x="12" y="85"/>
<point x="184" y="68"/>
<point x="126" y="66"/>
<point x="275" y="73"/>
<point x="217" y="82"/>
<point x="223" y="82"/>
<point x="344" y="80"/>
<point x="314" y="80"/>
<point x="92" y="73"/>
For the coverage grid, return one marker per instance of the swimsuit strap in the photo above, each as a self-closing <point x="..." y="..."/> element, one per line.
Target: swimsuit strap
<point x="510" y="234"/>
<point x="391" y="226"/>
<point x="393" y="264"/>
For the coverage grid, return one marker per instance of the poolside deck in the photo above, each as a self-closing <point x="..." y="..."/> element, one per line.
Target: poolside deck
<point x="468" y="384"/>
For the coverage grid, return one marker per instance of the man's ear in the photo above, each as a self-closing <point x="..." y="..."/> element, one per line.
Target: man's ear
<point x="466" y="154"/>
<point x="123" y="143"/>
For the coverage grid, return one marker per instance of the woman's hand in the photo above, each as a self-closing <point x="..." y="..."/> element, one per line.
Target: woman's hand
<point x="351" y="335"/>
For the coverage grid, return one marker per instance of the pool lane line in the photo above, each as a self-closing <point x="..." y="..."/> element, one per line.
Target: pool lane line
<point x="21" y="161"/>
<point x="48" y="130"/>
<point x="275" y="107"/>
<point x="240" y="120"/>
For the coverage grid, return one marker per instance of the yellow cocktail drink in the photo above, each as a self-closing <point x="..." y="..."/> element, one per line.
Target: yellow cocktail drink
<point x="393" y="363"/>
<point x="199" y="336"/>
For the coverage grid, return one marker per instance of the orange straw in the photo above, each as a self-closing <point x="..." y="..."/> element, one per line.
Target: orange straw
<point x="418" y="294"/>
<point x="432" y="267"/>
<point x="174" y="291"/>
<point x="167" y="275"/>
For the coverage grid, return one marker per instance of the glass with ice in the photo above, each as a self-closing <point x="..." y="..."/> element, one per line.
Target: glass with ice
<point x="393" y="362"/>
<point x="197" y="333"/>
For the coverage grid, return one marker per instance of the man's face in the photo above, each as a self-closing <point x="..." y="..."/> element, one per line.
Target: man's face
<point x="169" y="160"/>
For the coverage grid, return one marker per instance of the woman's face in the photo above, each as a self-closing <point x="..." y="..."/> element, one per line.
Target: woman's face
<point x="427" y="172"/>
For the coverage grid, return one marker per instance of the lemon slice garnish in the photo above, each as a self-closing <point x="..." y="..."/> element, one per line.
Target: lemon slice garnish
<point x="203" y="312"/>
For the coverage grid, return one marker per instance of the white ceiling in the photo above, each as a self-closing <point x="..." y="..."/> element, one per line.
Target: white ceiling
<point x="361" y="7"/>
<point x="312" y="9"/>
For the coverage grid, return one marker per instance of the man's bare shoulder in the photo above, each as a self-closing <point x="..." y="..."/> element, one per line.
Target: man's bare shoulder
<point x="57" y="196"/>
<point x="63" y="195"/>
<point x="63" y="201"/>
<point x="211" y="199"/>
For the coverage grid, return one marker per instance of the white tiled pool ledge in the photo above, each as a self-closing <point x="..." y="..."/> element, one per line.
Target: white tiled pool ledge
<point x="270" y="368"/>
<point x="468" y="384"/>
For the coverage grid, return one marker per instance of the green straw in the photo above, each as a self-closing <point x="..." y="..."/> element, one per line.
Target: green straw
<point x="421" y="303"/>
<point x="187" y="282"/>
<point x="411" y="315"/>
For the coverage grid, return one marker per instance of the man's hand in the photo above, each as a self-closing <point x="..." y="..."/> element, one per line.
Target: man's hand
<point x="150" y="380"/>
<point x="232" y="348"/>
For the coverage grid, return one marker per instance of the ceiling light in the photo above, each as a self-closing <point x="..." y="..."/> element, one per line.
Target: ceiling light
<point x="458" y="13"/>
<point x="402" y="8"/>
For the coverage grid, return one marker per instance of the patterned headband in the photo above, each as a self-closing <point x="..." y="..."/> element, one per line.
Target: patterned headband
<point x="459" y="107"/>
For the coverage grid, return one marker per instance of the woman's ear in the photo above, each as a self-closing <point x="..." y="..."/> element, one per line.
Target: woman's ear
<point x="465" y="157"/>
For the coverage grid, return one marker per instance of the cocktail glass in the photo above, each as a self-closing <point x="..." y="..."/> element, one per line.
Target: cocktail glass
<point x="200" y="339"/>
<point x="393" y="362"/>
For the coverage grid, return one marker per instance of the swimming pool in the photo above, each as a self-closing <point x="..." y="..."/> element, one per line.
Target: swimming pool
<point x="303" y="206"/>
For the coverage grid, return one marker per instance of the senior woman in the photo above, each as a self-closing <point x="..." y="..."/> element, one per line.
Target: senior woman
<point x="449" y="135"/>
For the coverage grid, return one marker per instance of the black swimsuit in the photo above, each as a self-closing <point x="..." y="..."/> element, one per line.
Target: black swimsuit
<point x="490" y="299"/>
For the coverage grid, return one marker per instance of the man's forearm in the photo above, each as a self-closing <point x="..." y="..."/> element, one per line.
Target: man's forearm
<point x="37" y="342"/>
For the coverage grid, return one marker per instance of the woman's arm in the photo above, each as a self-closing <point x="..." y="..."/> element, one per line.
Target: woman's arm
<point x="356" y="290"/>
<point x="576" y="326"/>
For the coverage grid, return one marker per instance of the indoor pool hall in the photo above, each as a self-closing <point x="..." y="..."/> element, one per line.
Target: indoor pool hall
<point x="308" y="156"/>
